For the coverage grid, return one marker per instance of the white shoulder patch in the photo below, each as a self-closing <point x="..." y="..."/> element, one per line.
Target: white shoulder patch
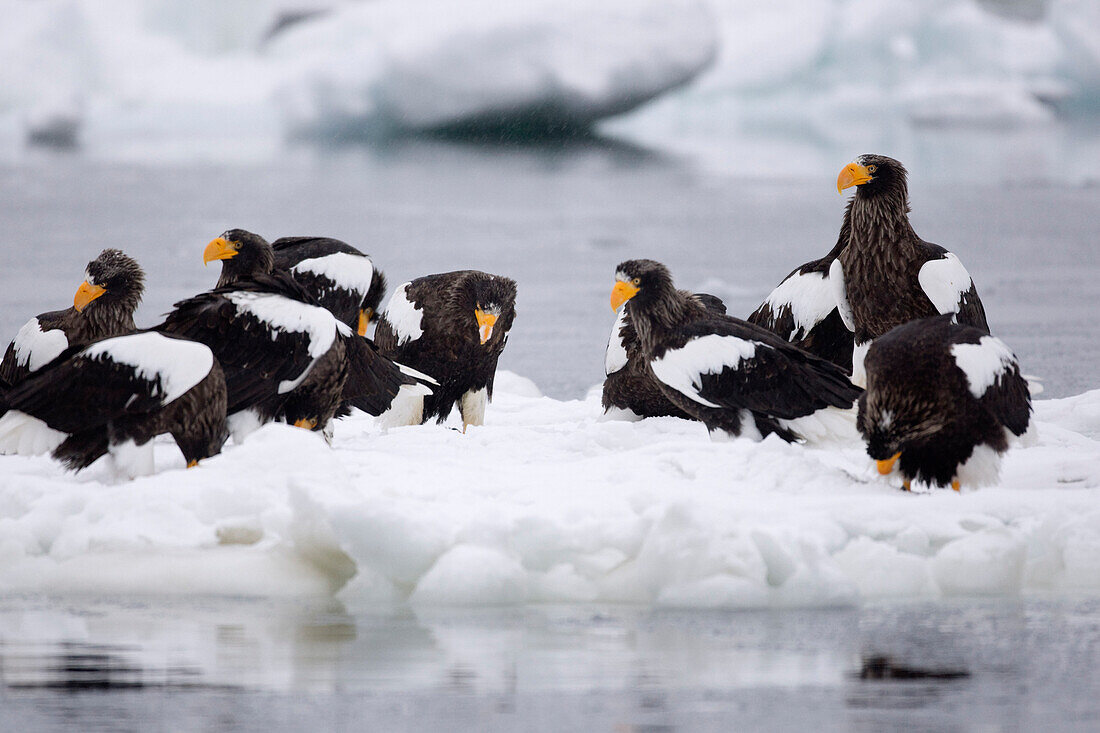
<point x="289" y="315"/>
<point x="34" y="348"/>
<point x="983" y="362"/>
<point x="944" y="281"/>
<point x="840" y="294"/>
<point x="810" y="297"/>
<point x="683" y="368"/>
<point x="403" y="316"/>
<point x="615" y="357"/>
<point x="351" y="272"/>
<point x="178" y="364"/>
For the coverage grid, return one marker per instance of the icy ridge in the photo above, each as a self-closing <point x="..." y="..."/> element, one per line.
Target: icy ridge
<point x="548" y="501"/>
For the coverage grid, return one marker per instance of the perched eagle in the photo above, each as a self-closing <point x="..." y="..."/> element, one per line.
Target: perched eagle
<point x="116" y="394"/>
<point x="453" y="327"/>
<point x="284" y="356"/>
<point x="887" y="275"/>
<point x="942" y="401"/>
<point x="721" y="370"/>
<point x="337" y="275"/>
<point x="103" y="306"/>
<point x="803" y="308"/>
<point x="629" y="383"/>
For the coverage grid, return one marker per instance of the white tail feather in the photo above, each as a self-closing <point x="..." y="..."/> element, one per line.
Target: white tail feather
<point x="407" y="407"/>
<point x="21" y="434"/>
<point x="242" y="424"/>
<point x="829" y="426"/>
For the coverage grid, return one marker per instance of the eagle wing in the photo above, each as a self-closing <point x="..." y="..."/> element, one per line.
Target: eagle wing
<point x="733" y="364"/>
<point x="949" y="286"/>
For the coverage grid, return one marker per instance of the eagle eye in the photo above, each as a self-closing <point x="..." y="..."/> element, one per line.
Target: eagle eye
<point x="872" y="168"/>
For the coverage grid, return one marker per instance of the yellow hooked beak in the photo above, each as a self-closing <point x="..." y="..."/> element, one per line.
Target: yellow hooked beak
<point x="218" y="249"/>
<point x="364" y="320"/>
<point x="485" y="323"/>
<point x="622" y="292"/>
<point x="853" y="174"/>
<point x="885" y="467"/>
<point x="85" y="294"/>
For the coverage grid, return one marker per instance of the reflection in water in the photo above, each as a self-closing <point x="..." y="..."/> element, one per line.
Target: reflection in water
<point x="263" y="665"/>
<point x="76" y="667"/>
<point x="881" y="667"/>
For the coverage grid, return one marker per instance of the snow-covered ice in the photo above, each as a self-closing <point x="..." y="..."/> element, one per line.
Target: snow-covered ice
<point x="551" y="502"/>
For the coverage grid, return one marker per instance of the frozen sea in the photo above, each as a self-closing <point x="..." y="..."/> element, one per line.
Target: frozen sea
<point x="558" y="217"/>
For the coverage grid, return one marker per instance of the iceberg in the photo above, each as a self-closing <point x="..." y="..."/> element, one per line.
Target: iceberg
<point x="541" y="65"/>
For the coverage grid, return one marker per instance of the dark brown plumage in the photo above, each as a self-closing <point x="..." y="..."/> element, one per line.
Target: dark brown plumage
<point x="941" y="400"/>
<point x="629" y="383"/>
<point x="721" y="370"/>
<point x="887" y="275"/>
<point x="452" y="326"/>
<point x="104" y="306"/>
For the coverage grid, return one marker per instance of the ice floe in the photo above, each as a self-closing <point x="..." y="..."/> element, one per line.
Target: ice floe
<point x="550" y="501"/>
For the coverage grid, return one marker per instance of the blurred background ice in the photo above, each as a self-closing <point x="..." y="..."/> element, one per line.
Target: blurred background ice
<point x="173" y="79"/>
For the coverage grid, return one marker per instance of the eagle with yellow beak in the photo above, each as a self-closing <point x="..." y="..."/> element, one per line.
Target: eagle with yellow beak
<point x="729" y="374"/>
<point x="103" y="306"/>
<point x="452" y="326"/>
<point x="284" y="356"/>
<point x="887" y="275"/>
<point x="943" y="403"/>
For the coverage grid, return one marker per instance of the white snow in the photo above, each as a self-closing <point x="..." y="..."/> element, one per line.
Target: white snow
<point x="351" y="272"/>
<point x="682" y="368"/>
<point x="178" y="364"/>
<point x="944" y="281"/>
<point x="810" y="297"/>
<point x="983" y="363"/>
<point x="403" y="315"/>
<point x="35" y="348"/>
<point x="549" y="502"/>
<point x="615" y="357"/>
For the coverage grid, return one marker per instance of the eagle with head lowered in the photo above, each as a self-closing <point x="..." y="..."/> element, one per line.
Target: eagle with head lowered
<point x="452" y="326"/>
